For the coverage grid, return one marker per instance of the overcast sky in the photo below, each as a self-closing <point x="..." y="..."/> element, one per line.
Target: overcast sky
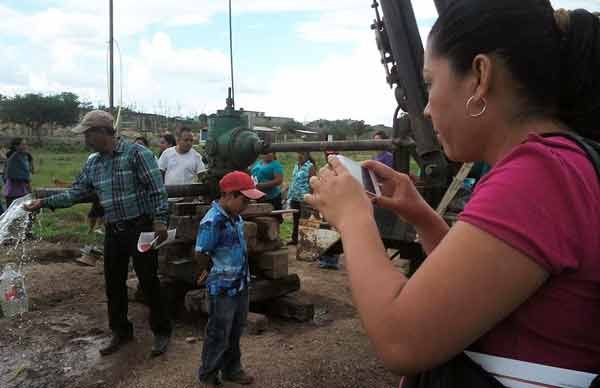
<point x="306" y="59"/>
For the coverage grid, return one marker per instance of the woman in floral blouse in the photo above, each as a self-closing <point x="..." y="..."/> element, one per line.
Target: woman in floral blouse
<point x="303" y="170"/>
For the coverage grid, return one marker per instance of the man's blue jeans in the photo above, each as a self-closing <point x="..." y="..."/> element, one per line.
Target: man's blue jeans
<point x="221" y="350"/>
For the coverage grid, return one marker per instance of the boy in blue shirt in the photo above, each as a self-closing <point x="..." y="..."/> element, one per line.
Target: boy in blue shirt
<point x="221" y="236"/>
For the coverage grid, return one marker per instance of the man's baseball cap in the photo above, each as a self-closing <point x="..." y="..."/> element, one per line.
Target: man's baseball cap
<point x="94" y="119"/>
<point x="242" y="182"/>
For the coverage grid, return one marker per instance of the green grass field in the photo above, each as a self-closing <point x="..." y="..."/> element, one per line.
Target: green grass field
<point x="62" y="224"/>
<point x="71" y="225"/>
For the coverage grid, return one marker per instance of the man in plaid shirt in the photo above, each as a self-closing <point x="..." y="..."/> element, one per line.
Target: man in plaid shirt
<point x="126" y="179"/>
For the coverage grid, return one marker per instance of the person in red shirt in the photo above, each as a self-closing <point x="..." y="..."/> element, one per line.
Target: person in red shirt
<point x="518" y="275"/>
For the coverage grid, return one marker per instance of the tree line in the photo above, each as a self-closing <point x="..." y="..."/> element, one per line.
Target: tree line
<point x="34" y="110"/>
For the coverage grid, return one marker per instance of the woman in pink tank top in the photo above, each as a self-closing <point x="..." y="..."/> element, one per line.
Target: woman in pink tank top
<point x="518" y="275"/>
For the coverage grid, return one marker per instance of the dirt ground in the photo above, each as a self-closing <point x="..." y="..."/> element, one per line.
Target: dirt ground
<point x="56" y="343"/>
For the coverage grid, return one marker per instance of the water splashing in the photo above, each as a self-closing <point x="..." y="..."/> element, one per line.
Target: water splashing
<point x="15" y="222"/>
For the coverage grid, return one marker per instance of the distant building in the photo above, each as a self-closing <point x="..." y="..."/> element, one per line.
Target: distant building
<point x="261" y="120"/>
<point x="154" y="123"/>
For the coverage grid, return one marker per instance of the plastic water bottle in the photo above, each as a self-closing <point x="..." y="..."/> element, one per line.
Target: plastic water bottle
<point x="13" y="295"/>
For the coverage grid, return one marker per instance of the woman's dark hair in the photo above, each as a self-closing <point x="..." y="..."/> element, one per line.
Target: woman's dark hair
<point x="14" y="144"/>
<point x="556" y="68"/>
<point x="170" y="139"/>
<point x="274" y="154"/>
<point x="308" y="156"/>
<point x="183" y="130"/>
<point x="143" y="140"/>
<point x="381" y="134"/>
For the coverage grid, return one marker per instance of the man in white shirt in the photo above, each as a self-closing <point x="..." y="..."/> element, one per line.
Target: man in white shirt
<point x="180" y="164"/>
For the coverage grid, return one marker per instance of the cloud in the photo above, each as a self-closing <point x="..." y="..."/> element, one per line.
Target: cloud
<point x="160" y="77"/>
<point x="351" y="86"/>
<point x="64" y="47"/>
<point x="183" y="80"/>
<point x="343" y="26"/>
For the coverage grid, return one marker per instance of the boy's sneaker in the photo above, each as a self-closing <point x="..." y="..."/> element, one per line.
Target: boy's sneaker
<point x="240" y="378"/>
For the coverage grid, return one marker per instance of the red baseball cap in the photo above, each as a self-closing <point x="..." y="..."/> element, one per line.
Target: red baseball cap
<point x="242" y="182"/>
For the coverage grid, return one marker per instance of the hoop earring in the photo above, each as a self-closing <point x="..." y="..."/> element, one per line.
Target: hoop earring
<point x="468" y="104"/>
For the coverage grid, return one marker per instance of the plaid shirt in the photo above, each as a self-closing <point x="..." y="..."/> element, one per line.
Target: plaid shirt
<point x="127" y="183"/>
<point x="222" y="237"/>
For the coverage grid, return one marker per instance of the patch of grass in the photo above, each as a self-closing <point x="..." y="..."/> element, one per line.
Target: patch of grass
<point x="62" y="163"/>
<point x="65" y="225"/>
<point x="285" y="232"/>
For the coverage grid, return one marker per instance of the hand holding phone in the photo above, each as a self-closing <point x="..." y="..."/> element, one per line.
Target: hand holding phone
<point x="363" y="175"/>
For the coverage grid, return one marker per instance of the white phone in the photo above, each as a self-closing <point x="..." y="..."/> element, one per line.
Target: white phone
<point x="364" y="176"/>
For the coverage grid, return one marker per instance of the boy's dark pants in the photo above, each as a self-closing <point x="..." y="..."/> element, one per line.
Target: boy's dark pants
<point x="221" y="350"/>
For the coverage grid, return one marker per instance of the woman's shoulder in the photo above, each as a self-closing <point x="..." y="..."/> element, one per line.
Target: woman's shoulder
<point x="547" y="159"/>
<point x="542" y="199"/>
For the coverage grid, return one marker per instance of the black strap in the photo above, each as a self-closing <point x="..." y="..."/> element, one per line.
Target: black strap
<point x="590" y="147"/>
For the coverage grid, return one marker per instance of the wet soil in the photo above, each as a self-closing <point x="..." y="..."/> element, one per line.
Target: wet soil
<point x="56" y="343"/>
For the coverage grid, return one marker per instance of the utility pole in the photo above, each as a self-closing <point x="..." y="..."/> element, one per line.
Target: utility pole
<point x="111" y="105"/>
<point x="231" y="57"/>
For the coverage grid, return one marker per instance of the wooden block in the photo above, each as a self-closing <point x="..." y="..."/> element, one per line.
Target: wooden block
<point x="178" y="248"/>
<point x="250" y="232"/>
<point x="268" y="228"/>
<point x="187" y="269"/>
<point x="257" y="210"/>
<point x="274" y="264"/>
<point x="259" y="291"/>
<point x="250" y="229"/>
<point x="265" y="246"/>
<point x="266" y="289"/>
<point x="185" y="208"/>
<point x="180" y="269"/>
<point x="196" y="301"/>
<point x="187" y="226"/>
<point x="251" y="243"/>
<point x="202" y="209"/>
<point x="256" y="324"/>
<point x="202" y="261"/>
<point x="292" y="307"/>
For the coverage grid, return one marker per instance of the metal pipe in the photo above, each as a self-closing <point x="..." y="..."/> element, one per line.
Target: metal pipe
<point x="173" y="191"/>
<point x="351" y="145"/>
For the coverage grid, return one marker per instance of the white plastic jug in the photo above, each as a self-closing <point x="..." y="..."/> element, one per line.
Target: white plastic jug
<point x="13" y="295"/>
